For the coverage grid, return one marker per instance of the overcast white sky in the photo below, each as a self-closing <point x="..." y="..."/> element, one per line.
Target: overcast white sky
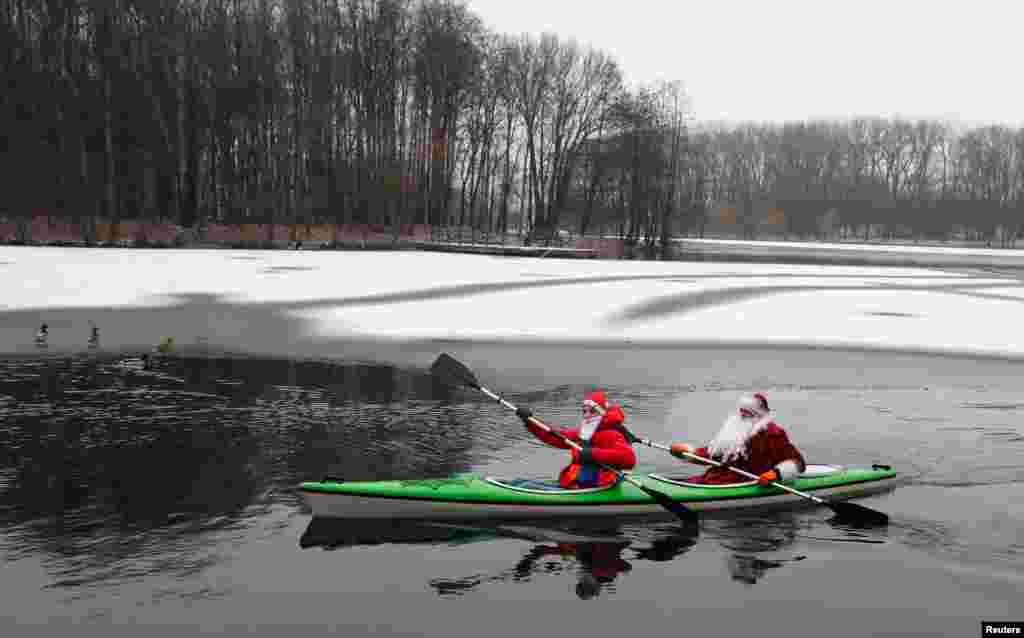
<point x="796" y="59"/>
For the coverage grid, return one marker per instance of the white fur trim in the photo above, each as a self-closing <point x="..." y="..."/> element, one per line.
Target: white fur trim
<point x="592" y="404"/>
<point x="589" y="426"/>
<point x="788" y="470"/>
<point x="749" y="402"/>
<point x="761" y="424"/>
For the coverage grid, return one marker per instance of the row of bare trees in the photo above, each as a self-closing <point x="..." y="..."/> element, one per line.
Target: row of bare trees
<point x="370" y="111"/>
<point x="394" y="111"/>
<point x="921" y="178"/>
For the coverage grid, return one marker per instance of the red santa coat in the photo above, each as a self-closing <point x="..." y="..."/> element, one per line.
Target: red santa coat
<point x="608" y="446"/>
<point x="764" y="450"/>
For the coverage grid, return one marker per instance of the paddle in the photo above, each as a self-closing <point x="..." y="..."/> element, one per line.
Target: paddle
<point x="448" y="368"/>
<point x="846" y="512"/>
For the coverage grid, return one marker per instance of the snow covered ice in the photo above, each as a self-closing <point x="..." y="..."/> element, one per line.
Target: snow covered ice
<point x="264" y="302"/>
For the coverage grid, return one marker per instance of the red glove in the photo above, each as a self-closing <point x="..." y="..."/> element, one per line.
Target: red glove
<point x="771" y="476"/>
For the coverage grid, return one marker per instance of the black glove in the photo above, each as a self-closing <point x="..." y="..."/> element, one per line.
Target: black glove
<point x="524" y="414"/>
<point x="630" y="437"/>
<point x="585" y="456"/>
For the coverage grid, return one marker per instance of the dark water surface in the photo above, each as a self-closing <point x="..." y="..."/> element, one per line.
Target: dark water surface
<point x="161" y="501"/>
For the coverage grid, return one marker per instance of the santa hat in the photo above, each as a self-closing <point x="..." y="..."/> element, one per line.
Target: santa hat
<point x="754" y="404"/>
<point x="597" y="401"/>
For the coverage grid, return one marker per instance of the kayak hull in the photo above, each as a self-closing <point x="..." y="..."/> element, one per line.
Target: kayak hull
<point x="472" y="497"/>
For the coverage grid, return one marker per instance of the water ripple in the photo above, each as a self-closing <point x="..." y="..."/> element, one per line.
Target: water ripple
<point x="111" y="475"/>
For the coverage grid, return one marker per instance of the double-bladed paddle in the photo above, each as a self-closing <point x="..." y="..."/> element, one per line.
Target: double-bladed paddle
<point x="448" y="368"/>
<point x="846" y="512"/>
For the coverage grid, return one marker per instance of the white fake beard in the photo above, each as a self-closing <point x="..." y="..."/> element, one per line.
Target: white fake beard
<point x="731" y="441"/>
<point x="588" y="426"/>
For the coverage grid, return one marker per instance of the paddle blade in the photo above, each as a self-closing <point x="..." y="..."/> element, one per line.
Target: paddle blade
<point x="683" y="513"/>
<point x="451" y="370"/>
<point x="858" y="515"/>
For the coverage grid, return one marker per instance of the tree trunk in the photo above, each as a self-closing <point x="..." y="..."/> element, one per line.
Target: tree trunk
<point x="506" y="186"/>
<point x="185" y="216"/>
<point x="110" y="191"/>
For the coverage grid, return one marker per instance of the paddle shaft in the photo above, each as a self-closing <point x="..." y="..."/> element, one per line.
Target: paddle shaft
<point x="661" y="446"/>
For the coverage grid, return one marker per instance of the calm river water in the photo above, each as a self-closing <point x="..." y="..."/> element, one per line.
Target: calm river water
<point x="162" y="501"/>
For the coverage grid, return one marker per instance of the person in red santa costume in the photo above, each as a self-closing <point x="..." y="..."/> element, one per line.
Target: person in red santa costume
<point x="601" y="438"/>
<point x="749" y="440"/>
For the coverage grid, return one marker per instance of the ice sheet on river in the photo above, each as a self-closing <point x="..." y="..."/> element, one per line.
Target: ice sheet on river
<point x="312" y="303"/>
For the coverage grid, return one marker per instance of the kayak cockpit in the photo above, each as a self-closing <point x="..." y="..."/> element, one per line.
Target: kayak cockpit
<point x="812" y="471"/>
<point x="541" y="486"/>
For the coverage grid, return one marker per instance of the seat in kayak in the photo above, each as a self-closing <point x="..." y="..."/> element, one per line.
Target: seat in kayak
<point x="812" y="471"/>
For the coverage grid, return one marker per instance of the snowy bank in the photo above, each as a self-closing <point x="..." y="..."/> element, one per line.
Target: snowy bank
<point x="318" y="304"/>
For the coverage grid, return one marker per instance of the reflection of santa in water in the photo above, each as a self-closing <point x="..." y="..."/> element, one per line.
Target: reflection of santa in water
<point x="600" y="563"/>
<point x="749" y="440"/>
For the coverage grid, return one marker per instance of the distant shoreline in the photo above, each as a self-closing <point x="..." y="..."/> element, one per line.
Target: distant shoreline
<point x="687" y="249"/>
<point x="852" y="254"/>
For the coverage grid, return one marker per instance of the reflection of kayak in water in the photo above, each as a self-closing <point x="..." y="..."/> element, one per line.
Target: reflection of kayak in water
<point x="332" y="533"/>
<point x="596" y="561"/>
<point x="597" y="565"/>
<point x="471" y="496"/>
<point x="593" y="555"/>
<point x="539" y="534"/>
<point x="596" y="556"/>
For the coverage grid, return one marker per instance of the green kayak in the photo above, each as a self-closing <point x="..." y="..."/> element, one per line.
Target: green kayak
<point x="472" y="497"/>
